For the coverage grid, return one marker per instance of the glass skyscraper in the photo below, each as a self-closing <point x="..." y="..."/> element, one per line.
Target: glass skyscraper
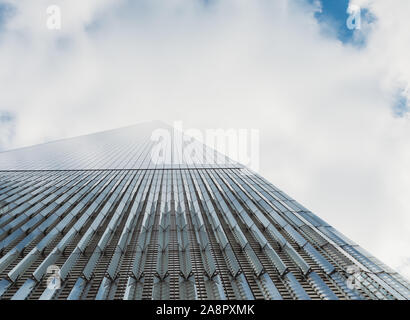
<point x="100" y="217"/>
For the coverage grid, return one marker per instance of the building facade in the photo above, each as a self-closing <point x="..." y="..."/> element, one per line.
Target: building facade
<point x="102" y="217"/>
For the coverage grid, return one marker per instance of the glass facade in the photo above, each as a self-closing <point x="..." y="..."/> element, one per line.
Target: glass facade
<point x="94" y="217"/>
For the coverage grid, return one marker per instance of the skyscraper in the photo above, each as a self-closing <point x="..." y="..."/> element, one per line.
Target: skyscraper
<point x="124" y="215"/>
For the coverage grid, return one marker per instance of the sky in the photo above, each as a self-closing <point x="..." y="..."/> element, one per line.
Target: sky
<point x="331" y="103"/>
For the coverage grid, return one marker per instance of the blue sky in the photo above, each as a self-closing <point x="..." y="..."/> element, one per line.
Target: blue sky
<point x="334" y="15"/>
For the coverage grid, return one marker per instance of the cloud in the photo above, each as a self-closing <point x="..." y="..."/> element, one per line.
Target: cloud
<point x="7" y="129"/>
<point x="325" y="109"/>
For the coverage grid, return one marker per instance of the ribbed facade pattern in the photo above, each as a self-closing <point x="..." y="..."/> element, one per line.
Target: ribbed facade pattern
<point x="174" y="233"/>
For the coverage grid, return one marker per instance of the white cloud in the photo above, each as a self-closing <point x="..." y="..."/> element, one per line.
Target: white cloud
<point x="328" y="134"/>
